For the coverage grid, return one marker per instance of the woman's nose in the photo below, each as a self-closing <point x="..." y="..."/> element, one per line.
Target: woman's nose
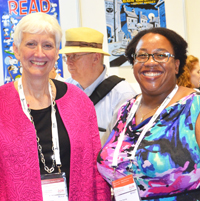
<point x="39" y="51"/>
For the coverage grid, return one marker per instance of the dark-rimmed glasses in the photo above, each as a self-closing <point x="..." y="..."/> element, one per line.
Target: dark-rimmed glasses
<point x="158" y="57"/>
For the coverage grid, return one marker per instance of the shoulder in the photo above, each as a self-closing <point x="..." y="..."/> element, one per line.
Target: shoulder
<point x="75" y="96"/>
<point x="122" y="91"/>
<point x="76" y="108"/>
<point x="75" y="90"/>
<point x="182" y="93"/>
<point x="7" y="89"/>
<point x="185" y="91"/>
<point x="9" y="98"/>
<point x="189" y="99"/>
<point x="7" y="85"/>
<point x="122" y="87"/>
<point x="63" y="88"/>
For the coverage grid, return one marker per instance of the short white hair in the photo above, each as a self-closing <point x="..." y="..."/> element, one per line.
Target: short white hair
<point x="36" y="23"/>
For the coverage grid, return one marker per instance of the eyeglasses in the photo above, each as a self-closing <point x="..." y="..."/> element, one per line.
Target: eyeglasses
<point x="158" y="57"/>
<point x="74" y="57"/>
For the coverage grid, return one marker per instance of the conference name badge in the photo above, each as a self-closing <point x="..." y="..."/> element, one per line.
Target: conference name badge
<point x="54" y="187"/>
<point x="125" y="189"/>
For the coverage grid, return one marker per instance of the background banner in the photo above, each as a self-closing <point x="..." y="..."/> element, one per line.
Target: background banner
<point x="125" y="18"/>
<point x="11" y="11"/>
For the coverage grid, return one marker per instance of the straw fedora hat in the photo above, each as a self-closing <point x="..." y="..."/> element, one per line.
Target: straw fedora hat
<point x="83" y="39"/>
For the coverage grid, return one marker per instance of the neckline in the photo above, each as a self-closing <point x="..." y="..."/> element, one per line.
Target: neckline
<point x="143" y="123"/>
<point x="41" y="110"/>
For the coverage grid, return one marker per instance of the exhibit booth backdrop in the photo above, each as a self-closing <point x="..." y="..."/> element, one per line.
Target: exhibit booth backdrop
<point x="181" y="16"/>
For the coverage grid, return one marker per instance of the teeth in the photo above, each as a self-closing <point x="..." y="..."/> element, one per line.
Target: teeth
<point x="38" y="63"/>
<point x="151" y="74"/>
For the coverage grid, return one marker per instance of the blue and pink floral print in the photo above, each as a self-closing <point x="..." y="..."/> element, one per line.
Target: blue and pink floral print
<point x="167" y="165"/>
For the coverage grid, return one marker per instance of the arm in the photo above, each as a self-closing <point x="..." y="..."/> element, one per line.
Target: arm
<point x="197" y="130"/>
<point x="101" y="186"/>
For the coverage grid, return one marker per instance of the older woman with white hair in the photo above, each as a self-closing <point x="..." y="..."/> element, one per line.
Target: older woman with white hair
<point x="48" y="129"/>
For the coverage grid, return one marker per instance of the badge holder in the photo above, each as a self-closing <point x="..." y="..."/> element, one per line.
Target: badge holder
<point x="54" y="187"/>
<point x="126" y="189"/>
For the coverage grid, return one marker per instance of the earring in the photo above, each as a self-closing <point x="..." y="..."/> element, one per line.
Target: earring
<point x="20" y="65"/>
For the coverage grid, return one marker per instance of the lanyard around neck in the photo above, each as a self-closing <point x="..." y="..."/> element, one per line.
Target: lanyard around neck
<point x="146" y="128"/>
<point x="54" y="126"/>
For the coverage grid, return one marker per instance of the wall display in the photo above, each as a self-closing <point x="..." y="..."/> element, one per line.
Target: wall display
<point x="11" y="11"/>
<point x="125" y="18"/>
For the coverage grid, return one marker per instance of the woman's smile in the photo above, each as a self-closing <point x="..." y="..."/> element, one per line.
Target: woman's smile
<point x="39" y="63"/>
<point x="151" y="74"/>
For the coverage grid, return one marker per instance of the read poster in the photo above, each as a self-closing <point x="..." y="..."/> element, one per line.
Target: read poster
<point x="11" y="11"/>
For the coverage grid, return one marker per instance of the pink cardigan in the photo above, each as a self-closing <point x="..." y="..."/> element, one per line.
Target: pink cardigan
<point x="19" y="167"/>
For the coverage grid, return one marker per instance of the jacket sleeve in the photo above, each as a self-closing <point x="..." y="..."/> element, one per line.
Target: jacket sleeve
<point x="102" y="188"/>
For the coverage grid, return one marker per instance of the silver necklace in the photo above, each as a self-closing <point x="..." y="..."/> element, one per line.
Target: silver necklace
<point x="25" y="107"/>
<point x="46" y="168"/>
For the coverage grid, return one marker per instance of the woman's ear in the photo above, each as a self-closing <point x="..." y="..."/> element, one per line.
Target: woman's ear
<point x="177" y="64"/>
<point x="16" y="52"/>
<point x="57" y="55"/>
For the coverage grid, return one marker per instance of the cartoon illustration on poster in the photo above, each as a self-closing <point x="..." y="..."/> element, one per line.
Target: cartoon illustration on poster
<point x="125" y="18"/>
<point x="11" y="11"/>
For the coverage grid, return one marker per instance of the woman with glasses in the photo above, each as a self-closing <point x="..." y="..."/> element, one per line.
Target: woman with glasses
<point x="156" y="138"/>
<point x="49" y="138"/>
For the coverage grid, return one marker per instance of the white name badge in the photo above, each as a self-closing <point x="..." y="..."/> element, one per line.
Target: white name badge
<point x="125" y="189"/>
<point x="54" y="187"/>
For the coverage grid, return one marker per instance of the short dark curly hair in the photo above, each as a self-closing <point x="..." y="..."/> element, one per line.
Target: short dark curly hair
<point x="178" y="43"/>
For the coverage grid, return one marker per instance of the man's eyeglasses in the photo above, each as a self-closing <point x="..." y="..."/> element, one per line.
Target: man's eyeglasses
<point x="74" y="57"/>
<point x="158" y="57"/>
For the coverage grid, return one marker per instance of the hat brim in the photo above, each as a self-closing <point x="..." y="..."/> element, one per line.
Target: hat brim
<point x="76" y="49"/>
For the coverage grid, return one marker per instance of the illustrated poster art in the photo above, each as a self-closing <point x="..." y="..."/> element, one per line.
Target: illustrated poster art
<point x="125" y="18"/>
<point x="11" y="11"/>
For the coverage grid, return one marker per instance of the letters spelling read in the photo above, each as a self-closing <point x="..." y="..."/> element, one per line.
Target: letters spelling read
<point x="22" y="7"/>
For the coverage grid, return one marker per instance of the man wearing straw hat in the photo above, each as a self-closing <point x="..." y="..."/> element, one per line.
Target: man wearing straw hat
<point x="84" y="57"/>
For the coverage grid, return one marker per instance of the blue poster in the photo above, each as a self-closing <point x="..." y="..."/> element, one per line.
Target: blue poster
<point x="125" y="18"/>
<point x="11" y="11"/>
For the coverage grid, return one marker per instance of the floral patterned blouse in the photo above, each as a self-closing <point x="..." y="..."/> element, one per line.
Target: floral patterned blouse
<point x="167" y="165"/>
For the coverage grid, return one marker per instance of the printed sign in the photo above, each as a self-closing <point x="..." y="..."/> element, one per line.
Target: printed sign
<point x="125" y="18"/>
